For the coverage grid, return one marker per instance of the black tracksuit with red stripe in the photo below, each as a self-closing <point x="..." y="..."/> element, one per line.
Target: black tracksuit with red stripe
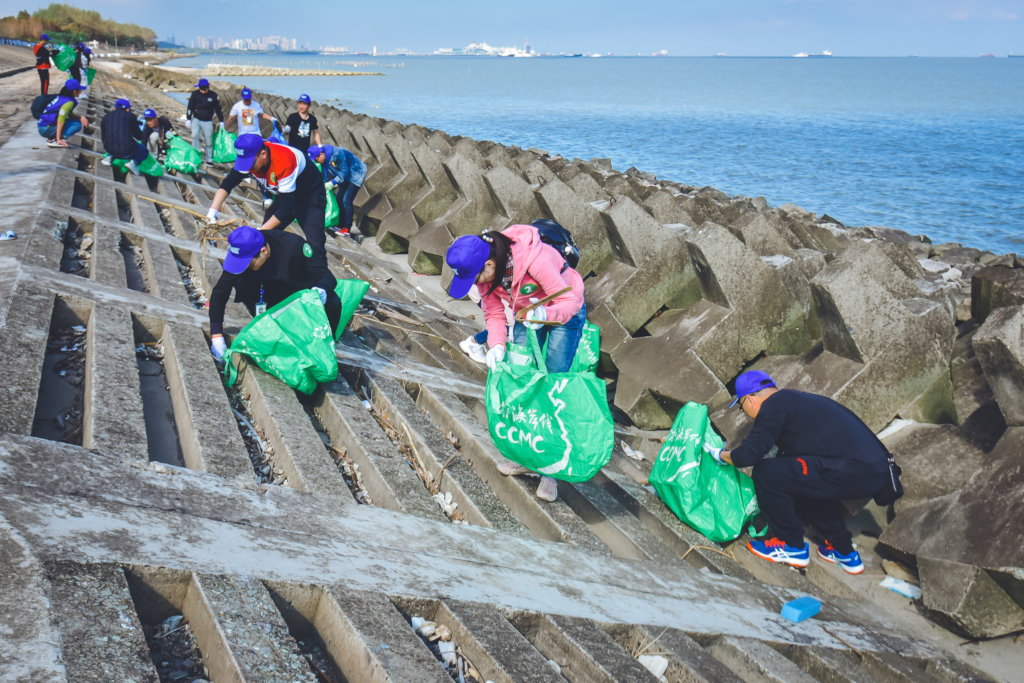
<point x="808" y="453"/>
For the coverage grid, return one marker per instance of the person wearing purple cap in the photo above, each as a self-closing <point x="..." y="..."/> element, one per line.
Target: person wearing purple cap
<point x="202" y="105"/>
<point x="808" y="453"/>
<point x="246" y="113"/>
<point x="285" y="172"/>
<point x="265" y="268"/>
<point x="155" y="129"/>
<point x="301" y="126"/>
<point x="44" y="51"/>
<point x="77" y="68"/>
<point x="122" y="138"/>
<point x="515" y="268"/>
<point x="56" y="123"/>
<point x="343" y="173"/>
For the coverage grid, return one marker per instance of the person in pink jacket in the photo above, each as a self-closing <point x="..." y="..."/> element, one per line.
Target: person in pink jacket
<point x="516" y="268"/>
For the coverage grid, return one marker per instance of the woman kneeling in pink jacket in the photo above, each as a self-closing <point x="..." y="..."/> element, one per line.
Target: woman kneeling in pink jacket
<point x="515" y="267"/>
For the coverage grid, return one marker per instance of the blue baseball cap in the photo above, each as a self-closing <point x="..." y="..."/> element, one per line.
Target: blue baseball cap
<point x="122" y="103"/>
<point x="72" y="84"/>
<point x="203" y="83"/>
<point x="751" y="382"/>
<point x="149" y="114"/>
<point x="466" y="257"/>
<point x="246" y="148"/>
<point x="88" y="51"/>
<point x="314" y="151"/>
<point x="305" y="98"/>
<point x="246" y="94"/>
<point x="44" y="37"/>
<point x="244" y="243"/>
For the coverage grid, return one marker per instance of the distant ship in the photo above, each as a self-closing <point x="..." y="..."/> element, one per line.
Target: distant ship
<point x="823" y="53"/>
<point x="801" y="54"/>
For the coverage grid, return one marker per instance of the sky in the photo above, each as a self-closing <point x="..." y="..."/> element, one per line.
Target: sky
<point x="953" y="28"/>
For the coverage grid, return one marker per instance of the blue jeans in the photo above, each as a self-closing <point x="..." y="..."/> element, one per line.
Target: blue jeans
<point x="345" y="195"/>
<point x="70" y="128"/>
<point x="562" y="340"/>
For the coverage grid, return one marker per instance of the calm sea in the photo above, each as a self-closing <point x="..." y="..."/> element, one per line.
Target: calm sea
<point x="930" y="146"/>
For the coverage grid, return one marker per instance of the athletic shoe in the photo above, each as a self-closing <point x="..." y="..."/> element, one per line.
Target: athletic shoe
<point x="776" y="550"/>
<point x="344" y="232"/>
<point x="547" y="489"/>
<point x="56" y="143"/>
<point x="476" y="352"/>
<point x="130" y="165"/>
<point x="332" y="231"/>
<point x="105" y="161"/>
<point x="851" y="563"/>
<point x="510" y="469"/>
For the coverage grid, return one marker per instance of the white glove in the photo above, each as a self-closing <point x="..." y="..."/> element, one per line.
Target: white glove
<point x="715" y="453"/>
<point x="188" y="123"/>
<point x="222" y="125"/>
<point x="495" y="355"/>
<point x="536" y="314"/>
<point x="323" y="294"/>
<point x="286" y="129"/>
<point x="329" y="185"/>
<point x="211" y="215"/>
<point x="218" y="346"/>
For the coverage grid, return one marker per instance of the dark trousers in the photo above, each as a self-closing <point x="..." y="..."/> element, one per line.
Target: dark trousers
<point x="309" y="212"/>
<point x="791" y="491"/>
<point x="346" y="194"/>
<point x="44" y="81"/>
<point x="76" y="73"/>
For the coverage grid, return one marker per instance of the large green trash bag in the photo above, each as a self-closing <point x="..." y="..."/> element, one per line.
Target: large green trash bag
<point x="90" y="74"/>
<point x="292" y="341"/>
<point x="149" y="166"/>
<point x="351" y="293"/>
<point x="182" y="156"/>
<point x="557" y="424"/>
<point x="588" y="353"/>
<point x="224" y="146"/>
<point x="716" y="500"/>
<point x="65" y="58"/>
<point x="332" y="216"/>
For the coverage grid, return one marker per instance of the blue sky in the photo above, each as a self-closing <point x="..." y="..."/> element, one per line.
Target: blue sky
<point x="682" y="27"/>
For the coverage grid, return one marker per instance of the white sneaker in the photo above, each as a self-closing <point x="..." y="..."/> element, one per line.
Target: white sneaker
<point x="476" y="352"/>
<point x="509" y="468"/>
<point x="132" y="167"/>
<point x="105" y="161"/>
<point x="547" y="489"/>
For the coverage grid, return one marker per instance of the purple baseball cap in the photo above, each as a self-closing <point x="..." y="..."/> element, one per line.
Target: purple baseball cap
<point x="149" y="114"/>
<point x="72" y="84"/>
<point x="314" y="151"/>
<point x="122" y="103"/>
<point x="305" y="98"/>
<point x="246" y="148"/>
<point x="203" y="83"/>
<point x="466" y="257"/>
<point x="244" y="243"/>
<point x="751" y="382"/>
<point x="246" y="94"/>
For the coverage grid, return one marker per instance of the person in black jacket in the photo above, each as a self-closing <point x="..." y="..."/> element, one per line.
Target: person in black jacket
<point x="155" y="131"/>
<point x="265" y="268"/>
<point x="122" y="137"/>
<point x="43" y="52"/>
<point x="808" y="452"/>
<point x="202" y="105"/>
<point x="77" y="69"/>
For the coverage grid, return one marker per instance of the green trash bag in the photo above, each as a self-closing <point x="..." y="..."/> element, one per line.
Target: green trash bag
<point x="224" y="146"/>
<point x="65" y="58"/>
<point x="149" y="166"/>
<point x="351" y="293"/>
<point x="588" y="353"/>
<point x="332" y="216"/>
<point x="557" y="424"/>
<point x="90" y="74"/>
<point x="716" y="500"/>
<point x="182" y="156"/>
<point x="291" y="341"/>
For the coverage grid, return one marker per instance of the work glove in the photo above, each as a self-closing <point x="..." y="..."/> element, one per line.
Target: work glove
<point x="211" y="215"/>
<point x="329" y="185"/>
<point x="495" y="355"/>
<point x="222" y="125"/>
<point x="218" y="346"/>
<point x="715" y="453"/>
<point x="322" y="293"/>
<point x="286" y="129"/>
<point x="188" y="124"/>
<point x="536" y="314"/>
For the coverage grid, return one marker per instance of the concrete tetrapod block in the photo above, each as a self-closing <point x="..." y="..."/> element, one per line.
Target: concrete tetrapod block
<point x="993" y="287"/>
<point x="513" y="196"/>
<point x="936" y="460"/>
<point x="999" y="345"/>
<point x="557" y="200"/>
<point x="434" y="195"/>
<point x="969" y="598"/>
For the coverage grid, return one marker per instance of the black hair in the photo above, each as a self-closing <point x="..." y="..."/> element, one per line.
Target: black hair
<point x="66" y="92"/>
<point x="501" y="251"/>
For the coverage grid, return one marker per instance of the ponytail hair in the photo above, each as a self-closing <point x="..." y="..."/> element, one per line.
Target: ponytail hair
<point x="501" y="251"/>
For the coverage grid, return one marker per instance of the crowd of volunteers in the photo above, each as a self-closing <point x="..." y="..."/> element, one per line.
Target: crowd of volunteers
<point x="805" y="452"/>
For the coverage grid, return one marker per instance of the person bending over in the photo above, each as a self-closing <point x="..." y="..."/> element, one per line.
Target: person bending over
<point x="343" y="172"/>
<point x="515" y="268"/>
<point x="264" y="269"/>
<point x="808" y="453"/>
<point x="282" y="170"/>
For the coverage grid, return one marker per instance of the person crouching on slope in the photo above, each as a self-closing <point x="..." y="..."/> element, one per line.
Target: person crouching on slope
<point x="122" y="138"/>
<point x="516" y="268"/>
<point x="55" y="122"/>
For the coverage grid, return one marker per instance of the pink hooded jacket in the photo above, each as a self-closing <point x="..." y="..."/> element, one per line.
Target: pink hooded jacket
<point x="537" y="271"/>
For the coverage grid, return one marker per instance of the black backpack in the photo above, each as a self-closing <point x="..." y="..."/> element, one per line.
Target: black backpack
<point x="558" y="237"/>
<point x="39" y="104"/>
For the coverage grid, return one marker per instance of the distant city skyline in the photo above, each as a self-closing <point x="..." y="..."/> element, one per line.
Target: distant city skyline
<point x="734" y="27"/>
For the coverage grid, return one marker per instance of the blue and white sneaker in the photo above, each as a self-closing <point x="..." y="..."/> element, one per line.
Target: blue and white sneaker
<point x="851" y="563"/>
<point x="776" y="550"/>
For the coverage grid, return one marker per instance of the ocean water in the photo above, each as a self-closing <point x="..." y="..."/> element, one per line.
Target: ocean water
<point x="930" y="146"/>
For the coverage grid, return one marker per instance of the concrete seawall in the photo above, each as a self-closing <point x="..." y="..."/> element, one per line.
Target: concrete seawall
<point x="297" y="539"/>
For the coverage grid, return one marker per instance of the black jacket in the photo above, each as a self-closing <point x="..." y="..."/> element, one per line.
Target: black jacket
<point x="202" y="107"/>
<point x="289" y="268"/>
<point x="120" y="133"/>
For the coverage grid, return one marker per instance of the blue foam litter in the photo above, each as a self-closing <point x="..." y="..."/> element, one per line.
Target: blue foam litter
<point x="801" y="608"/>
